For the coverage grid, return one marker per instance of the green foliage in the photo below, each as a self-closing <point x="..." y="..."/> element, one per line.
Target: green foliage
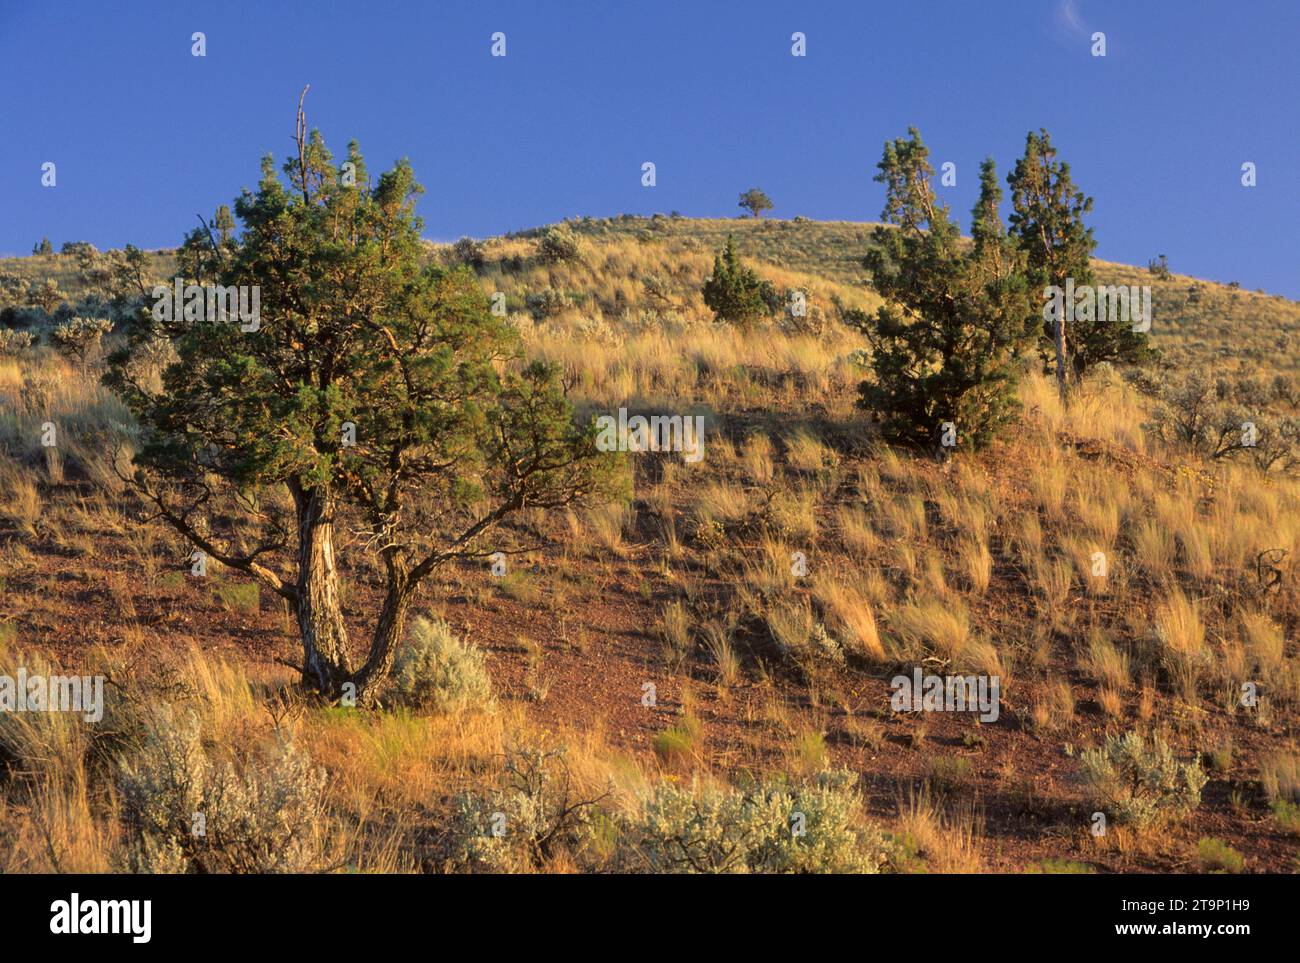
<point x="755" y="201"/>
<point x="13" y="290"/>
<point x="734" y="292"/>
<point x="1047" y="222"/>
<point x="77" y="248"/>
<point x="1287" y="816"/>
<point x="435" y="670"/>
<point x="812" y="827"/>
<point x="244" y="446"/>
<point x="240" y="596"/>
<point x="1059" y="867"/>
<point x="547" y="303"/>
<point x="1216" y="856"/>
<point x="1139" y="781"/>
<point x="946" y="342"/>
<point x="675" y="744"/>
<point x="1159" y="268"/>
<point x="469" y="252"/>
<point x="224" y="224"/>
<point x="949" y="773"/>
<point x="123" y="278"/>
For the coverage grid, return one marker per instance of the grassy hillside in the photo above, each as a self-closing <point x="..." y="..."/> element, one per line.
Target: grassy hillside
<point x="763" y="671"/>
<point x="1194" y="321"/>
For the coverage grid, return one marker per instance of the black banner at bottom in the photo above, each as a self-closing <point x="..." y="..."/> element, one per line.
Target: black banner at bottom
<point x="142" y="913"/>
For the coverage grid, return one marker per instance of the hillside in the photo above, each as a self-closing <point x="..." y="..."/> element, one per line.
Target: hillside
<point x="760" y="669"/>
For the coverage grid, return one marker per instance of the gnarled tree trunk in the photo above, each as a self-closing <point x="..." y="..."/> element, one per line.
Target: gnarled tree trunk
<point x="326" y="664"/>
<point x="388" y="632"/>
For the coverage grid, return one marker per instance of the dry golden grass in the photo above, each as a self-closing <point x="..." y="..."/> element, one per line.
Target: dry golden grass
<point x="931" y="626"/>
<point x="856" y="531"/>
<point x="1105" y="662"/>
<point x="805" y="452"/>
<point x="20" y="500"/>
<point x="1180" y="636"/>
<point x="1264" y="642"/>
<point x="850" y="613"/>
<point x="757" y="459"/>
<point x="973" y="564"/>
<point x="722" y="502"/>
<point x="944" y="842"/>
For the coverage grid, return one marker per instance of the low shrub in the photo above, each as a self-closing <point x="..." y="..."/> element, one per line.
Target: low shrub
<point x="1139" y="780"/>
<point x="559" y="244"/>
<point x="1216" y="856"/>
<point x="186" y="811"/>
<point x="813" y="827"/>
<point x="434" y="670"/>
<point x="533" y="814"/>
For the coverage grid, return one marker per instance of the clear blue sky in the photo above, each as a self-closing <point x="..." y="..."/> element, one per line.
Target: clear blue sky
<point x="146" y="135"/>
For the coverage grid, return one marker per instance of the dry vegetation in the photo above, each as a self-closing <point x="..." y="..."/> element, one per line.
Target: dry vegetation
<point x="716" y="653"/>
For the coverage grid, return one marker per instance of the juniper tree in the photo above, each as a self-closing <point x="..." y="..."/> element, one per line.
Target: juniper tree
<point x="733" y="292"/>
<point x="755" y="201"/>
<point x="224" y="224"/>
<point x="945" y="343"/>
<point x="378" y="407"/>
<point x="1047" y="222"/>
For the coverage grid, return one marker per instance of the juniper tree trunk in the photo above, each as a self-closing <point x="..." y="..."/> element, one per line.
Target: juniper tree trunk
<point x="325" y="660"/>
<point x="1060" y="352"/>
<point x="388" y="632"/>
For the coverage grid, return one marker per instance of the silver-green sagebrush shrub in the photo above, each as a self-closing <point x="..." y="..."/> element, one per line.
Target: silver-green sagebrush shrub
<point x="15" y="343"/>
<point x="81" y="339"/>
<point x="1138" y="780"/>
<point x="435" y="670"/>
<point x="812" y="827"/>
<point x="533" y="814"/>
<point x="558" y="244"/>
<point x="186" y="811"/>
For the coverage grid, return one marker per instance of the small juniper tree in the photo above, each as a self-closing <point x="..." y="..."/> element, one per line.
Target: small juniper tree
<point x="1047" y="222"/>
<point x="469" y="252"/>
<point x="1160" y="268"/>
<point x="733" y="292"/>
<point x="378" y="405"/>
<point x="945" y="343"/>
<point x="224" y="224"/>
<point x="755" y="201"/>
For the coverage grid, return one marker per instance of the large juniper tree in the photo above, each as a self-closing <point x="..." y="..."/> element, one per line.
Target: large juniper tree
<point x="1047" y="222"/>
<point x="379" y="404"/>
<point x="946" y="341"/>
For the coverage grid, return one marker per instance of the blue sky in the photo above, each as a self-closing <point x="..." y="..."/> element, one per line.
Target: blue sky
<point x="145" y="135"/>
